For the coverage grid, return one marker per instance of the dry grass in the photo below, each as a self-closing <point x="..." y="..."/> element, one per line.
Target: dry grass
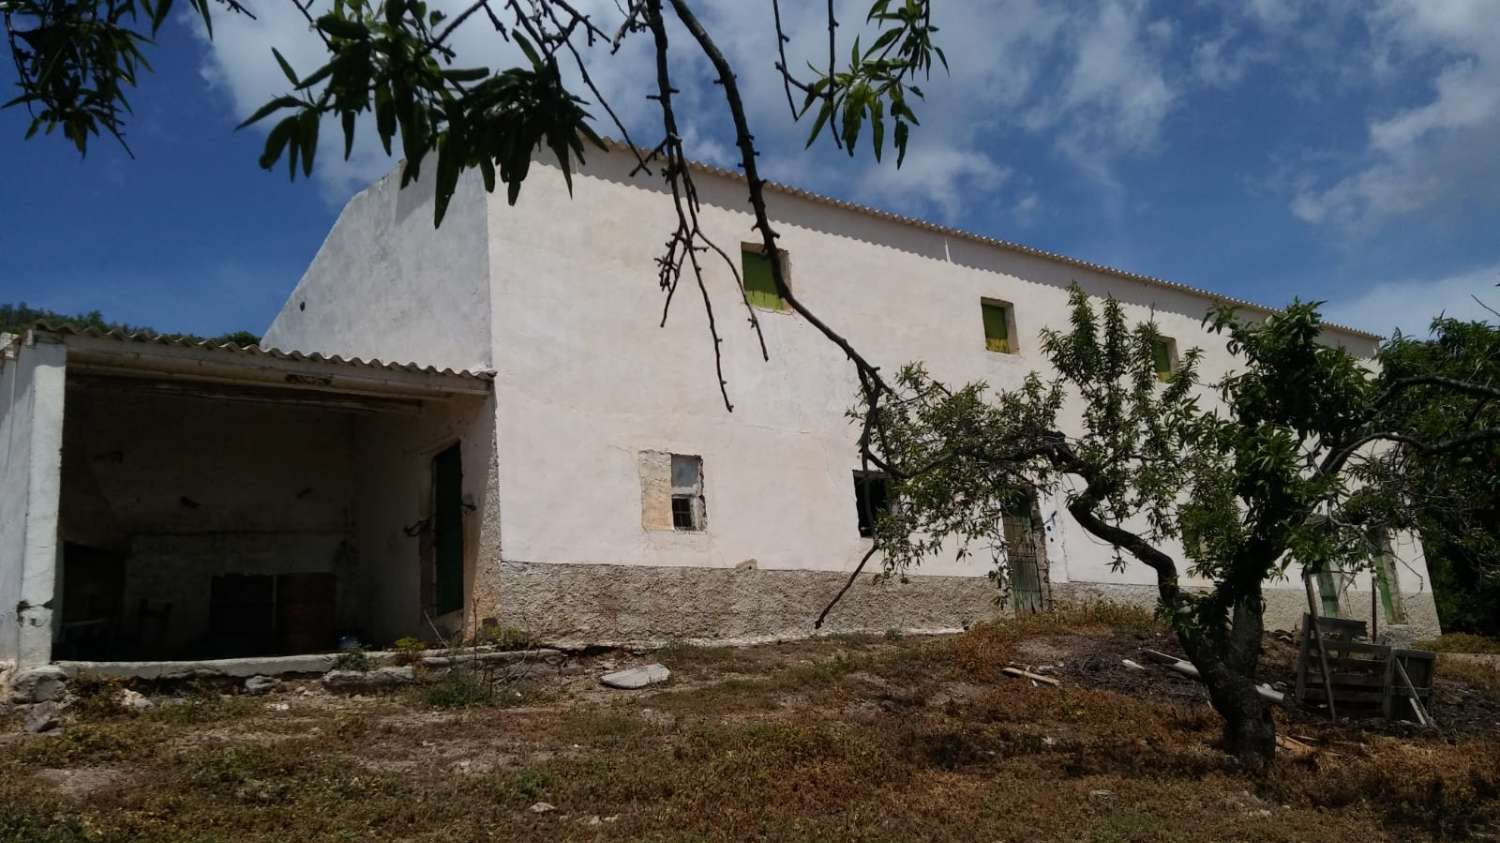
<point x="1461" y="642"/>
<point x="866" y="739"/>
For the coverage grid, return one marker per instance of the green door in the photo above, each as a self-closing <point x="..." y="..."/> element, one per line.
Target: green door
<point x="448" y="530"/>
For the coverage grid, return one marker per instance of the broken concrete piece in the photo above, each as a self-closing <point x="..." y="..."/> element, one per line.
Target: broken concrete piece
<point x="354" y="681"/>
<point x="134" y="700"/>
<point x="41" y="717"/>
<point x="38" y="684"/>
<point x="636" y="677"/>
<point x="257" y="685"/>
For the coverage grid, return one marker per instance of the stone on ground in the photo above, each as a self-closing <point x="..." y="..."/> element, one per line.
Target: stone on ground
<point x="257" y="685"/>
<point x="134" y="700"/>
<point x="41" y="717"/>
<point x="636" y="677"/>
<point x="38" y="684"/>
<point x="354" y="681"/>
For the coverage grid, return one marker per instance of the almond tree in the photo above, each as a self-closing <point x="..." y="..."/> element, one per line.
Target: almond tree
<point x="1269" y="471"/>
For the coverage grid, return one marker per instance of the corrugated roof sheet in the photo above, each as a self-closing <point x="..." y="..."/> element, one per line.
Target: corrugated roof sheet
<point x="257" y="351"/>
<point x="1008" y="245"/>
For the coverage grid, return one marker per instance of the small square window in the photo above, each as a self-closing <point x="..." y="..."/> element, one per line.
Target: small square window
<point x="760" y="284"/>
<point x="1164" y="357"/>
<point x="999" y="326"/>
<point x="872" y="500"/>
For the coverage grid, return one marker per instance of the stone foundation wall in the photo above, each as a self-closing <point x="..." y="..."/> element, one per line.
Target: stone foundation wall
<point x="575" y="604"/>
<point x="578" y="604"/>
<point x="1284" y="607"/>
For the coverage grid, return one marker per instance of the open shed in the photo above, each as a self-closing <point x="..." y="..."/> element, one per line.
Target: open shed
<point x="169" y="500"/>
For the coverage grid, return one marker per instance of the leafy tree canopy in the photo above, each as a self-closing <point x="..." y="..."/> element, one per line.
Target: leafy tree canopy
<point x="16" y="318"/>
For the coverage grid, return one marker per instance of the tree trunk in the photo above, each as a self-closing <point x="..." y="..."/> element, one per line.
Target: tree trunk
<point x="1227" y="667"/>
<point x="1249" y="729"/>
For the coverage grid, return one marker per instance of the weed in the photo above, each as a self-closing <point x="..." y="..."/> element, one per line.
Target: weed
<point x="1461" y="642"/>
<point x="352" y="660"/>
<point x="35" y="825"/>
<point x="502" y="637"/>
<point x="455" y="689"/>
<point x="409" y="650"/>
<point x="87" y="744"/>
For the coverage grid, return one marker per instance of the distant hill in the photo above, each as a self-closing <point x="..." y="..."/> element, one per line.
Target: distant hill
<point x="15" y="318"/>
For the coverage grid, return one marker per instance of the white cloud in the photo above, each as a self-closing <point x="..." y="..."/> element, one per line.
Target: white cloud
<point x="1410" y="305"/>
<point x="936" y="175"/>
<point x="1090" y="76"/>
<point x="1439" y="152"/>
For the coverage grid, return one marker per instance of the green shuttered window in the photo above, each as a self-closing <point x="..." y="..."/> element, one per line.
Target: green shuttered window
<point x="1161" y="354"/>
<point x="760" y="286"/>
<point x="997" y="327"/>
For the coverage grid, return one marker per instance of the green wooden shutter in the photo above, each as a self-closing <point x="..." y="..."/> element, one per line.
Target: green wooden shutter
<point x="448" y="530"/>
<point x="760" y="286"/>
<point x="1161" y="354"/>
<point x="996" y="327"/>
<point x="1329" y="593"/>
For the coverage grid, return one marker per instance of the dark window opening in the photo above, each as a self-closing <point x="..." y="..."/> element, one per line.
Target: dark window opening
<point x="682" y="513"/>
<point x="871" y="500"/>
<point x="448" y="531"/>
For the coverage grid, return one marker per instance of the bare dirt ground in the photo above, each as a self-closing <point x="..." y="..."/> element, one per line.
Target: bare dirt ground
<point x="827" y="739"/>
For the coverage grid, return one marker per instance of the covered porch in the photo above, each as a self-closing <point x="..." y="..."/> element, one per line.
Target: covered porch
<point x="224" y="502"/>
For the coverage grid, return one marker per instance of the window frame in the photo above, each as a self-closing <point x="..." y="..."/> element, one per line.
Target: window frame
<point x="759" y="250"/>
<point x="1169" y="346"/>
<point x="692" y="493"/>
<point x="1012" y="343"/>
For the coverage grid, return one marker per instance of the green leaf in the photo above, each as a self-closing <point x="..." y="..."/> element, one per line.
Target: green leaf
<point x="525" y="44"/>
<point x="340" y="27"/>
<point x="818" y="123"/>
<point x="285" y="68"/>
<point x="276" y="141"/>
<point x="273" y="105"/>
<point x="469" y="74"/>
<point x="348" y="120"/>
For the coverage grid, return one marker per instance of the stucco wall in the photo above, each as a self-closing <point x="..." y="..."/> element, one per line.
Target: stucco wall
<point x="386" y="285"/>
<point x="191" y="488"/>
<point x="587" y="380"/>
<point x="31" y="407"/>
<point x="395" y="479"/>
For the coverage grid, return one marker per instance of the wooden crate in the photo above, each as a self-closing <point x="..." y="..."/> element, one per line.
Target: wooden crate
<point x="1420" y="666"/>
<point x="1358" y="669"/>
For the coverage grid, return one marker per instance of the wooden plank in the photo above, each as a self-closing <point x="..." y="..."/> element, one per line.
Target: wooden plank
<point x="1026" y="674"/>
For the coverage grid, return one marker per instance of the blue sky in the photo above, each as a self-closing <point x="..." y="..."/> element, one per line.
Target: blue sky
<point x="1338" y="150"/>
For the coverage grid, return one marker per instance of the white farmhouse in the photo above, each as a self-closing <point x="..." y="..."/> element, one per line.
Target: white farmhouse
<point x="559" y="461"/>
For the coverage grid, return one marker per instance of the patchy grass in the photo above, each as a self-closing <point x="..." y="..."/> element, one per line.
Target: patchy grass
<point x="1461" y="642"/>
<point x="867" y="739"/>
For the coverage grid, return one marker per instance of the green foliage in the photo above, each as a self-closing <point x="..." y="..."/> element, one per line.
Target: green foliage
<point x="879" y="74"/>
<point x="1453" y="499"/>
<point x="15" y="318"/>
<point x="352" y="660"/>
<point x="389" y="60"/>
<point x="74" y="60"/>
<point x="1294" y="464"/>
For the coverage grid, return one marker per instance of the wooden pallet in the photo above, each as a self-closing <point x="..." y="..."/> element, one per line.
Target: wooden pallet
<point x="1364" y="676"/>
<point x="1419" y="666"/>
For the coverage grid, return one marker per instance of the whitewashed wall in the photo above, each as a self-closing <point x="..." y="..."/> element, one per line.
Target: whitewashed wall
<point x="385" y="284"/>
<point x="31" y="408"/>
<point x="587" y="379"/>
